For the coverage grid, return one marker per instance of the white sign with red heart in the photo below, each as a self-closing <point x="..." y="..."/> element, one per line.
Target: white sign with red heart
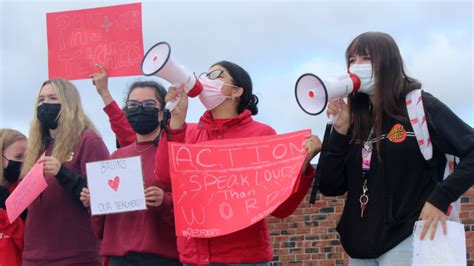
<point x="116" y="186"/>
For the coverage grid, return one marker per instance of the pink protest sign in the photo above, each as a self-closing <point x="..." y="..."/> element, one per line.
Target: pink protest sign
<point x="220" y="187"/>
<point x="110" y="36"/>
<point x="26" y="192"/>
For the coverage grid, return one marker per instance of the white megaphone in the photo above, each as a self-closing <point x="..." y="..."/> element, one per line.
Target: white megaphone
<point x="313" y="93"/>
<point x="159" y="62"/>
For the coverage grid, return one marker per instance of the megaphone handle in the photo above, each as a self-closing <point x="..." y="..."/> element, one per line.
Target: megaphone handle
<point x="172" y="104"/>
<point x="333" y="119"/>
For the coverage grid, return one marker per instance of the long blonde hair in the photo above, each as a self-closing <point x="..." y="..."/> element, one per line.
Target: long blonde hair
<point x="71" y="123"/>
<point x="7" y="138"/>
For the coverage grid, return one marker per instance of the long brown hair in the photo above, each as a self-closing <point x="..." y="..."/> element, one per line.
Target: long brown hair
<point x="72" y="122"/>
<point x="391" y="84"/>
<point x="7" y="138"/>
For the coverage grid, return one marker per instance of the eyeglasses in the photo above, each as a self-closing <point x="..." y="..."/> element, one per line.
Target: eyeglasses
<point x="213" y="74"/>
<point x="148" y="105"/>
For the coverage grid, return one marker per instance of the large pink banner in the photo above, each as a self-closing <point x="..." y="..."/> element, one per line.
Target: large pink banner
<point x="110" y="36"/>
<point x="26" y="192"/>
<point x="220" y="187"/>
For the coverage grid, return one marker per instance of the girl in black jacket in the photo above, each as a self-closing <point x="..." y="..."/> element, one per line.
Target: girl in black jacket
<point x="373" y="155"/>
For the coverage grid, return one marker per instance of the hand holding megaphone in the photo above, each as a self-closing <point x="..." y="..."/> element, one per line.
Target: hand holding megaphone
<point x="332" y="118"/>
<point x="338" y="112"/>
<point x="178" y="97"/>
<point x="175" y="101"/>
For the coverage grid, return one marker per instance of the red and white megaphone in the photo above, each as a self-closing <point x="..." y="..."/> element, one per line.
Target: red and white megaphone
<point x="159" y="62"/>
<point x="313" y="93"/>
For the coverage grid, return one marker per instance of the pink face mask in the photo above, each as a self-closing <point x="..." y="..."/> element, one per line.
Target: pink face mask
<point x="211" y="95"/>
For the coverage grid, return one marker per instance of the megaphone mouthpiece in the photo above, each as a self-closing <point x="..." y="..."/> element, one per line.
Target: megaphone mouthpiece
<point x="193" y="86"/>
<point x="356" y="81"/>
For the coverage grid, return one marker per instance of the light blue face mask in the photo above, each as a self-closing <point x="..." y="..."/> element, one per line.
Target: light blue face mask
<point x="367" y="81"/>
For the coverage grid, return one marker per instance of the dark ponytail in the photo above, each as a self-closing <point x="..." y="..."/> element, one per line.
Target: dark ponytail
<point x="241" y="79"/>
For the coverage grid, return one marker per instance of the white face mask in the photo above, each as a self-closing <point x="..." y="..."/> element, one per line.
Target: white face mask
<point x="211" y="95"/>
<point x="367" y="81"/>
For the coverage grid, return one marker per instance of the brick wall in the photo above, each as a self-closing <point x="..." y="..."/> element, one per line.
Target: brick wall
<point x="309" y="237"/>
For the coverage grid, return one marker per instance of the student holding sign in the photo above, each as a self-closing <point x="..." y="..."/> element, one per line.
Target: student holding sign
<point x="58" y="230"/>
<point x="13" y="146"/>
<point x="230" y="104"/>
<point x="375" y="155"/>
<point x="141" y="237"/>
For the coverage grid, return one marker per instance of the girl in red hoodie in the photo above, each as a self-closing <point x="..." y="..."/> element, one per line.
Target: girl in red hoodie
<point x="13" y="147"/>
<point x="141" y="237"/>
<point x="229" y="115"/>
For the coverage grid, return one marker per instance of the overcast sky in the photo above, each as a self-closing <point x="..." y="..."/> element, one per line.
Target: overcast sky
<point x="275" y="41"/>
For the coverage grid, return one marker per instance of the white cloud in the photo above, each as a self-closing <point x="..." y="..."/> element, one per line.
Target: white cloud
<point x="275" y="41"/>
<point x="444" y="65"/>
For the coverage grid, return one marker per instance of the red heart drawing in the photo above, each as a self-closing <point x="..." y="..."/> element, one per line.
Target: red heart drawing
<point x="114" y="183"/>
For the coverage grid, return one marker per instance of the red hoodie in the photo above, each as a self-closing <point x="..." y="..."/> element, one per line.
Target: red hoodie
<point x="149" y="231"/>
<point x="156" y="233"/>
<point x="11" y="240"/>
<point x="249" y="245"/>
<point x="118" y="121"/>
<point x="11" y="237"/>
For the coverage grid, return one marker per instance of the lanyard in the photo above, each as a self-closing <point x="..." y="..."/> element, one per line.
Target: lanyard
<point x="366" y="158"/>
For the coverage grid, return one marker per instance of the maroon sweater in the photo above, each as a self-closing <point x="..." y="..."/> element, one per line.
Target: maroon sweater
<point x="58" y="229"/>
<point x="149" y="231"/>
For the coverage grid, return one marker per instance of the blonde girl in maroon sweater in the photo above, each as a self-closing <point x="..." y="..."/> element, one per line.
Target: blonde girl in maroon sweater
<point x="58" y="229"/>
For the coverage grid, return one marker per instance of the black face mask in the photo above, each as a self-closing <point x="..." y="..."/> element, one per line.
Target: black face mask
<point x="47" y="114"/>
<point x="143" y="121"/>
<point x="4" y="193"/>
<point x="12" y="172"/>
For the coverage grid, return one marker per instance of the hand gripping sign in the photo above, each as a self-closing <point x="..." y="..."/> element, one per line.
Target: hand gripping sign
<point x="30" y="187"/>
<point x="220" y="187"/>
<point x="110" y="36"/>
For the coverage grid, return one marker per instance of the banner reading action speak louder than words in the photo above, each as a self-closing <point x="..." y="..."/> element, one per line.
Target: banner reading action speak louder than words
<point x="220" y="187"/>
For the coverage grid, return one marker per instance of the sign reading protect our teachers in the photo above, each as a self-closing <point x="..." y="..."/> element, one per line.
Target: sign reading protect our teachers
<point x="220" y="187"/>
<point x="116" y="186"/>
<point x="110" y="36"/>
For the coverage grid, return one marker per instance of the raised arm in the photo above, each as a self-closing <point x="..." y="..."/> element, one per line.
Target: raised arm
<point x="124" y="133"/>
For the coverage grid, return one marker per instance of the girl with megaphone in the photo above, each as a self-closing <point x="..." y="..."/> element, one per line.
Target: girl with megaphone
<point x="374" y="155"/>
<point x="230" y="103"/>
